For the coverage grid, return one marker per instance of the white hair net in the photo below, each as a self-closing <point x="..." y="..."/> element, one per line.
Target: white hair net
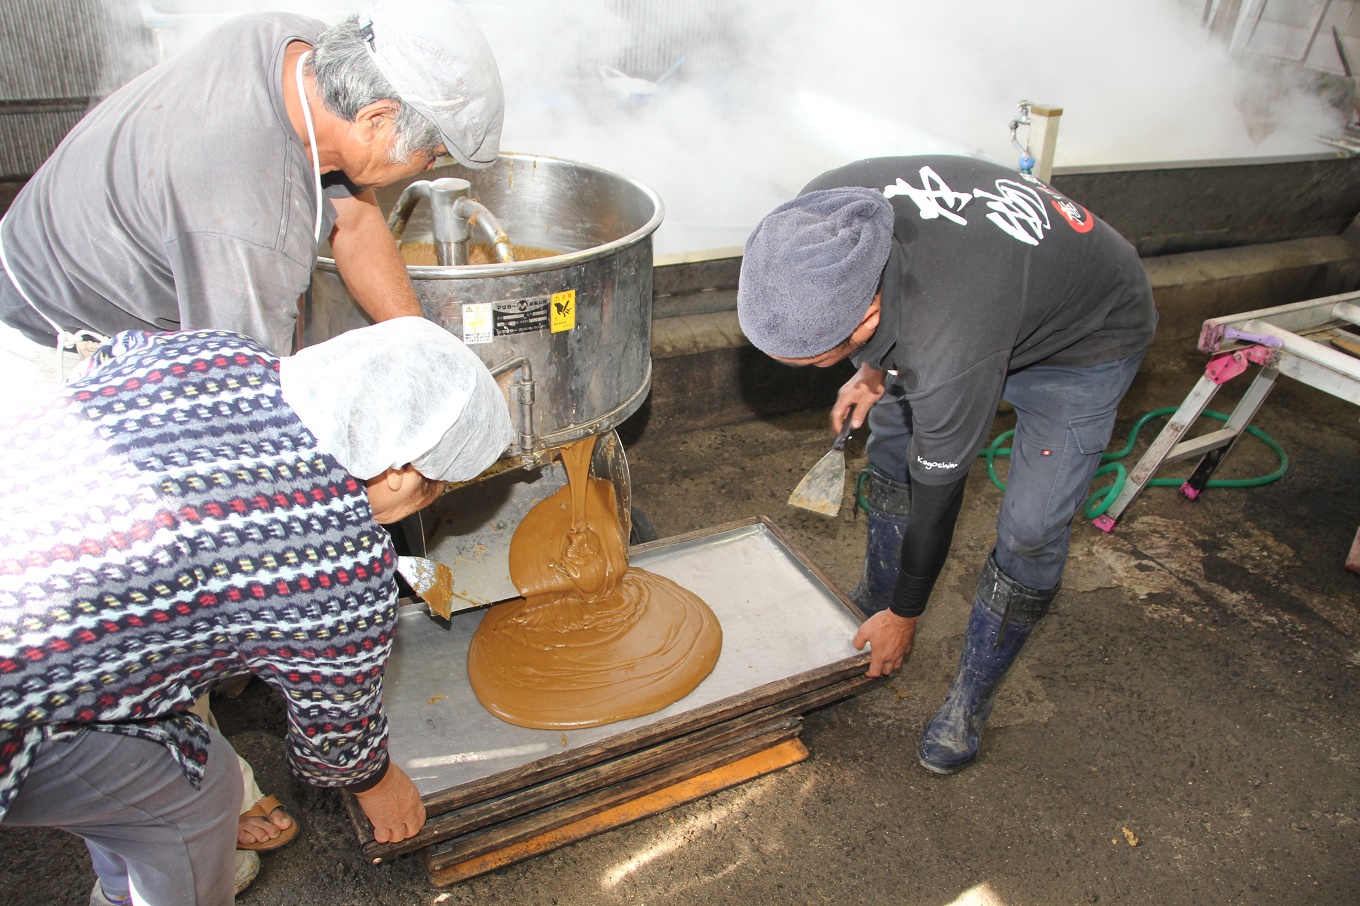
<point x="397" y="392"/>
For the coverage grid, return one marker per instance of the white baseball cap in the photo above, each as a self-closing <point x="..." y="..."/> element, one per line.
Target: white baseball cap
<point x="439" y="62"/>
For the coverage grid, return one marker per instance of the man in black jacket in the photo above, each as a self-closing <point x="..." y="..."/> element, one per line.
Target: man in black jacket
<point x="954" y="283"/>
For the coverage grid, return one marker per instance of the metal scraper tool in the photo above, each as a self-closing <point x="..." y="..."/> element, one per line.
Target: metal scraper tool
<point x="823" y="486"/>
<point x="433" y="581"/>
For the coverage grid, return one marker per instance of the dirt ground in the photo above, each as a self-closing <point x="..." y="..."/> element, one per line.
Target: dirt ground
<point x="1181" y="730"/>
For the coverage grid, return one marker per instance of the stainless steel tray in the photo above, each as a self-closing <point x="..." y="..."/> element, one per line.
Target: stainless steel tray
<point x="780" y="619"/>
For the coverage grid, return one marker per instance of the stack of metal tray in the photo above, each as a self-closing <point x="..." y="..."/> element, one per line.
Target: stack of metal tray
<point x="488" y="785"/>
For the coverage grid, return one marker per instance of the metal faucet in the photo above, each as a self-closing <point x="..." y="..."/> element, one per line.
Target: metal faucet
<point x="1026" y="159"/>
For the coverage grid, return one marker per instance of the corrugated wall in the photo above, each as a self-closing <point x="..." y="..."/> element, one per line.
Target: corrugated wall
<point x="643" y="38"/>
<point x="56" y="58"/>
<point x="651" y="36"/>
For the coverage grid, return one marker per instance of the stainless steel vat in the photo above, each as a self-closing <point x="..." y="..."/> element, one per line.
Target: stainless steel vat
<point x="569" y="337"/>
<point x="573" y="330"/>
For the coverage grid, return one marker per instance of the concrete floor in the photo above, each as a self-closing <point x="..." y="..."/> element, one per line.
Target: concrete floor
<point x="1182" y="729"/>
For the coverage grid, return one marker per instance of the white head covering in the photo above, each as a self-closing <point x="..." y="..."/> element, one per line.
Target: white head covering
<point x="401" y="391"/>
<point x="439" y="62"/>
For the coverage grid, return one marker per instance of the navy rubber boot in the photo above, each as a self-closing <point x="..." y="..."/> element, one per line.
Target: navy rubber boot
<point x="1004" y="613"/>
<point x="888" y="505"/>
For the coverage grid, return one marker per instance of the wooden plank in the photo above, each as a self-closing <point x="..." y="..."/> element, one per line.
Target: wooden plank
<point x="837" y="681"/>
<point x="1347" y="342"/>
<point x="619" y="792"/>
<point x="716" y="780"/>
<point x="526" y="827"/>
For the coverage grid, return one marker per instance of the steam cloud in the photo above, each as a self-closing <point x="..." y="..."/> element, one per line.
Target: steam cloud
<point x="765" y="94"/>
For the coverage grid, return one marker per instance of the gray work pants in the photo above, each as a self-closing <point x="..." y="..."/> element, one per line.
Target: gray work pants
<point x="1064" y="417"/>
<point x="145" y="825"/>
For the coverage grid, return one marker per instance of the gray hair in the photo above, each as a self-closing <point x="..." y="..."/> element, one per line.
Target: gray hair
<point x="349" y="80"/>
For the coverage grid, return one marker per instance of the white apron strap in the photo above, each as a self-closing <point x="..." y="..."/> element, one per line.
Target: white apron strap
<point x="83" y="341"/>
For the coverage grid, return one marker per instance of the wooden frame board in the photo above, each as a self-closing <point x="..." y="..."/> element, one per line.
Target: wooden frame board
<point x="720" y="778"/>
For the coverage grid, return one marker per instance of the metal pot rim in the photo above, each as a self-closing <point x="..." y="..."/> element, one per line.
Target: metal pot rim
<point x="534" y="265"/>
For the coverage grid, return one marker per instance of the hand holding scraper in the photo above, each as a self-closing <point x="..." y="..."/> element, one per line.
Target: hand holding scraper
<point x="823" y="487"/>
<point x="433" y="581"/>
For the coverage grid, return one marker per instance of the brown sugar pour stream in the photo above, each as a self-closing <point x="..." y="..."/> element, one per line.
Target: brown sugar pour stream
<point x="592" y="640"/>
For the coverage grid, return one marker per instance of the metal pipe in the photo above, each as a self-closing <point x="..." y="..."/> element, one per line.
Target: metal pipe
<point x="524" y="397"/>
<point x="1348" y="312"/>
<point x="476" y="216"/>
<point x="401" y="211"/>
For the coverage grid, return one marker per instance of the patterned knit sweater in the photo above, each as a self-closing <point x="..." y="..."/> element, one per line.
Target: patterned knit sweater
<point x="169" y="522"/>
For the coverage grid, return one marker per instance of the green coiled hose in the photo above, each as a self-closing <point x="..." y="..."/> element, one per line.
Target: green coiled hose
<point x="1100" y="501"/>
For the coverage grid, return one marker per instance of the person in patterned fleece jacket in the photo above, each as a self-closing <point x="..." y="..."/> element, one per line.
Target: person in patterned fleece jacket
<point x="191" y="508"/>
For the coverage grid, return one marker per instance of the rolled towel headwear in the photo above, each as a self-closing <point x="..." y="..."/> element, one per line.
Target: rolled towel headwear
<point x="811" y="269"/>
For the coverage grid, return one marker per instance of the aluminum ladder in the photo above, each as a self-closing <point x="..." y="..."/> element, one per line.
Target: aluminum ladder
<point x="1303" y="341"/>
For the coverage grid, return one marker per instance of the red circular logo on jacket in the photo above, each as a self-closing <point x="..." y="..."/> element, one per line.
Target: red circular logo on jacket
<point x="1076" y="216"/>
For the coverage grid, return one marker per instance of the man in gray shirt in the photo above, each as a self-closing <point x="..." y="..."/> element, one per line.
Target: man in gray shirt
<point x="197" y="194"/>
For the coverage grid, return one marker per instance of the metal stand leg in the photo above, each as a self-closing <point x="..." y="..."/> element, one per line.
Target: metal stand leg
<point x="1161" y="451"/>
<point x="1213" y="446"/>
<point x="1226" y="438"/>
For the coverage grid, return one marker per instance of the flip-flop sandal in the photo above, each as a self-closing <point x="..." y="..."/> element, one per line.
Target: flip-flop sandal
<point x="263" y="808"/>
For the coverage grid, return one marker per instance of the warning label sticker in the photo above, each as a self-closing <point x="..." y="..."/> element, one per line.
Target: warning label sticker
<point x="484" y="321"/>
<point x="564" y="311"/>
<point x="477" y="323"/>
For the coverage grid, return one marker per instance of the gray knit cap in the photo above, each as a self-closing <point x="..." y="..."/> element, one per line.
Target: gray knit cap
<point x="811" y="269"/>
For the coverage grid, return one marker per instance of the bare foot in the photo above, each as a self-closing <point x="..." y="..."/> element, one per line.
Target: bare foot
<point x="256" y="828"/>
